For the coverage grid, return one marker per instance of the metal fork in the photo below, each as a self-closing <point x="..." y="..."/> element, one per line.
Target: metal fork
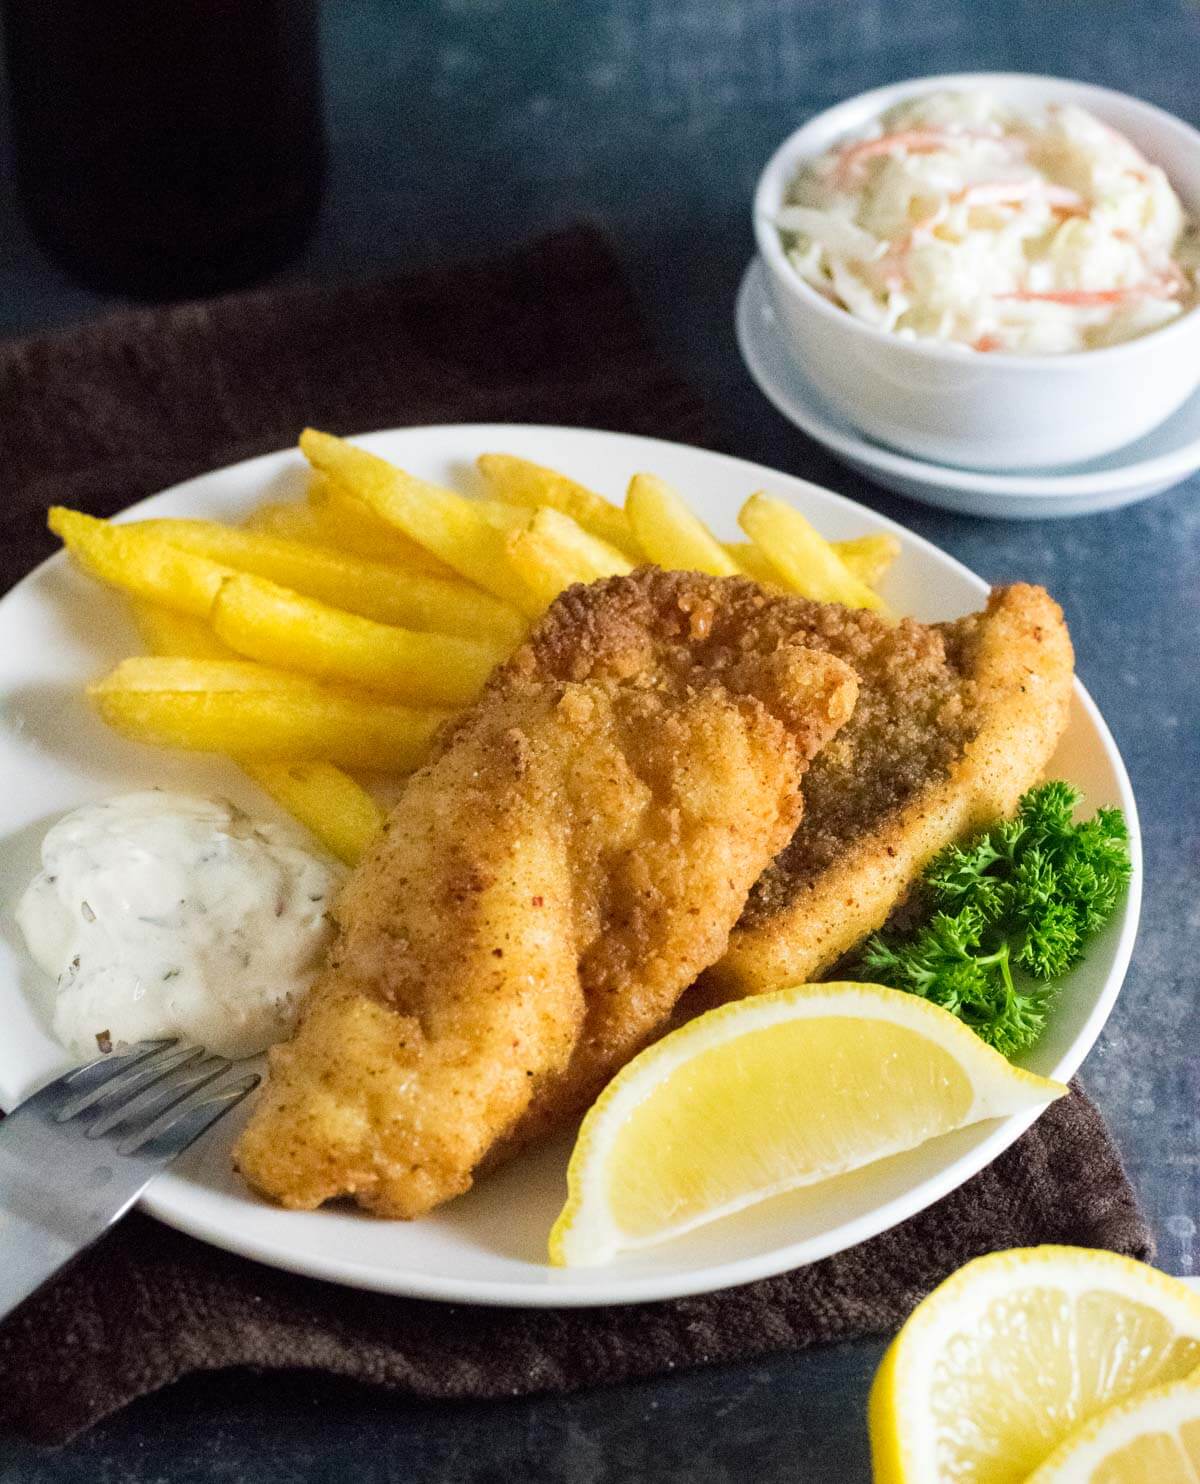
<point x="76" y="1155"/>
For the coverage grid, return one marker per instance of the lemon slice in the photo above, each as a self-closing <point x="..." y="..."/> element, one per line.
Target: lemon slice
<point x="767" y="1094"/>
<point x="1016" y="1351"/>
<point x="1154" y="1436"/>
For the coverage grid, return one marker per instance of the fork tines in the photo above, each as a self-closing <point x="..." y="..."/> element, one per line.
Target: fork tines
<point x="156" y="1095"/>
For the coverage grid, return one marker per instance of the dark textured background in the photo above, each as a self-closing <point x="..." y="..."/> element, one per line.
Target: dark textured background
<point x="460" y="125"/>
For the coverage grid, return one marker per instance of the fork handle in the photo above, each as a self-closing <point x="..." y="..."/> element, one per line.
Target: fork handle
<point x="65" y="1178"/>
<point x="49" y="1211"/>
<point x="32" y="1255"/>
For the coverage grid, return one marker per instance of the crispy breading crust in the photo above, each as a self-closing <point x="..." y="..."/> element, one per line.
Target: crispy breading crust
<point x="574" y="855"/>
<point x="976" y="724"/>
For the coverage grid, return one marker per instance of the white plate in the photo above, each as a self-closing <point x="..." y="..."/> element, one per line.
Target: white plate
<point x="57" y="629"/>
<point x="1163" y="458"/>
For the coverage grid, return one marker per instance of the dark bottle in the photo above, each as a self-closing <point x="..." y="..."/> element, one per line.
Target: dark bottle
<point x="166" y="148"/>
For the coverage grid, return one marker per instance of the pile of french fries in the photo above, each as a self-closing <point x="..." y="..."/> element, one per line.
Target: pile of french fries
<point x="324" y="642"/>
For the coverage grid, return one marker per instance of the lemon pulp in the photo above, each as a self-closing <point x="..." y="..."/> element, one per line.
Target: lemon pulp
<point x="1154" y="1436"/>
<point x="1016" y="1352"/>
<point x="822" y="1095"/>
<point x="1037" y="1366"/>
<point x="1156" y="1456"/>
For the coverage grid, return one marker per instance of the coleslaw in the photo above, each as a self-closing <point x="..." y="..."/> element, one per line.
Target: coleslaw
<point x="962" y="219"/>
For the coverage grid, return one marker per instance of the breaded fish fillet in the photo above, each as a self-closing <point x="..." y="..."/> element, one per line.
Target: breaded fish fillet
<point x="953" y="723"/>
<point x="575" y="854"/>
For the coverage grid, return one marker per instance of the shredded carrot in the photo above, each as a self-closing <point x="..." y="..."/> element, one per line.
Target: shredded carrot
<point x="1063" y="196"/>
<point x="915" y="141"/>
<point x="986" y="343"/>
<point x="1078" y="298"/>
<point x="1013" y="192"/>
<point x="919" y="140"/>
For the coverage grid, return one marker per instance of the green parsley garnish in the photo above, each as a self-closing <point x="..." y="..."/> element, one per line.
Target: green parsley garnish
<point x="1011" y="914"/>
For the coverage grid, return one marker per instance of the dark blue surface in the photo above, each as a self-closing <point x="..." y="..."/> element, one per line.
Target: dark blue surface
<point x="463" y="125"/>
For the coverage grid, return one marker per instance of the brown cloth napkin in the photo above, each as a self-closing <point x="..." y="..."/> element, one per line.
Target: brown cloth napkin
<point x="101" y="416"/>
<point x="149" y="1305"/>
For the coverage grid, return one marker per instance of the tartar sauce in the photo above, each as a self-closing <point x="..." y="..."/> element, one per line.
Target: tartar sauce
<point x="165" y="915"/>
<point x="961" y="219"/>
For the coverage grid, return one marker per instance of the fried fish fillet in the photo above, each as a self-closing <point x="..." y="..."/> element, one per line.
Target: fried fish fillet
<point x="953" y="723"/>
<point x="574" y="855"/>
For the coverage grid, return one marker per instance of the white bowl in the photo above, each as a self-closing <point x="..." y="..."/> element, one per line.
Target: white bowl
<point x="951" y="404"/>
<point x="1165" y="457"/>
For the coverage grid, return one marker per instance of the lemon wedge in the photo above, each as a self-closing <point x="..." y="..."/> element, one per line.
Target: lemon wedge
<point x="1014" y="1352"/>
<point x="1153" y="1436"/>
<point x="770" y="1093"/>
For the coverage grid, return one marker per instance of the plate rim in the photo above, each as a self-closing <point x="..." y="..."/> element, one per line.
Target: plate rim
<point x="1020" y="487"/>
<point x="169" y="1198"/>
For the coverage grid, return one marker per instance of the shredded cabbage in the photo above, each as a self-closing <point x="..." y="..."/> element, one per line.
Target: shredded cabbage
<point x="961" y="219"/>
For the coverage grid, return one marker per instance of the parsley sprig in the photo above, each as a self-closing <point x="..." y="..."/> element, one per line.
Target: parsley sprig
<point x="1011" y="914"/>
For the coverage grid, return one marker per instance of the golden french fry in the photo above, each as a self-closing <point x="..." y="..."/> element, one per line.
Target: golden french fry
<point x="341" y="814"/>
<point x="552" y="552"/>
<point x="339" y="811"/>
<point x="251" y="713"/>
<point x="140" y="563"/>
<point x="326" y="524"/>
<point x="440" y="520"/>
<point x="595" y="554"/>
<point x="502" y="515"/>
<point x="751" y="561"/>
<point x="289" y="522"/>
<point x="869" y="557"/>
<point x="144" y="672"/>
<point x="371" y="589"/>
<point x="802" y="557"/>
<point x="669" y="534"/>
<point x="344" y="521"/>
<point x="333" y="518"/>
<point x="521" y="482"/>
<point x="166" y="633"/>
<point x="543" y="567"/>
<point x="278" y="627"/>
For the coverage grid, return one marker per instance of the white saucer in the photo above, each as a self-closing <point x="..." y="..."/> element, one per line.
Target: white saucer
<point x="1163" y="458"/>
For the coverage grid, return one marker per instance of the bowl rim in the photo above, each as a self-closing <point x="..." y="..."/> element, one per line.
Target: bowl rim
<point x="788" y="156"/>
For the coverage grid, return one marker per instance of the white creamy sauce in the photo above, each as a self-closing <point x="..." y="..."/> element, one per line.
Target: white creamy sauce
<point x="961" y="219"/>
<point x="160" y="914"/>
